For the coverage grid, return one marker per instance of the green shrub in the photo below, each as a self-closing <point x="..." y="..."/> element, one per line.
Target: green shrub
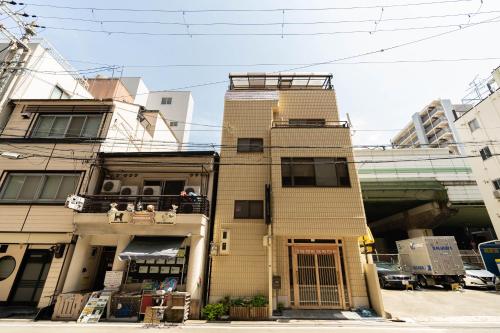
<point x="226" y="302"/>
<point x="258" y="301"/>
<point x="239" y="302"/>
<point x="213" y="311"/>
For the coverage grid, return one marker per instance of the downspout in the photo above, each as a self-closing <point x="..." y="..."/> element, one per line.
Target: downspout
<point x="210" y="236"/>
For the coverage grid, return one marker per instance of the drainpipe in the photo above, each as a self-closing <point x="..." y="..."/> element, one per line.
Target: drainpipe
<point x="270" y="269"/>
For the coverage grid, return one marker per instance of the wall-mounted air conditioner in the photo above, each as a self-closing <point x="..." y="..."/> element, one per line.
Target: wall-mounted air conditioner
<point x="496" y="193"/>
<point x="151" y="190"/>
<point x="196" y="189"/>
<point x="129" y="190"/>
<point x="111" y="186"/>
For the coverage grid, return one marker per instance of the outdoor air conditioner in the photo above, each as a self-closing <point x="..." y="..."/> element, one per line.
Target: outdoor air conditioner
<point x="151" y="190"/>
<point x="496" y="193"/>
<point x="129" y="190"/>
<point x="111" y="186"/>
<point x="195" y="189"/>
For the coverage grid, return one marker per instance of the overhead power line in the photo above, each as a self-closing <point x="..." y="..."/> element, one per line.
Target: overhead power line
<point x="247" y="10"/>
<point x="281" y="23"/>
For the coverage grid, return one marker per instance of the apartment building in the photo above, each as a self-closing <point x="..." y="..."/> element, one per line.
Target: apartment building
<point x="289" y="207"/>
<point x="47" y="149"/>
<point x="167" y="239"/>
<point x="433" y="127"/>
<point x="479" y="127"/>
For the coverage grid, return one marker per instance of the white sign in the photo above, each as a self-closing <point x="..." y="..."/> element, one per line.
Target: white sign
<point x="75" y="202"/>
<point x="113" y="280"/>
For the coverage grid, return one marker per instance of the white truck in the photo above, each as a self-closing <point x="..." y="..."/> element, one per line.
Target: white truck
<point x="435" y="260"/>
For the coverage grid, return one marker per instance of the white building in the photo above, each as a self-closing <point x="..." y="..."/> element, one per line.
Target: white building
<point x="175" y="106"/>
<point x="432" y="127"/>
<point x="45" y="75"/>
<point x="480" y="128"/>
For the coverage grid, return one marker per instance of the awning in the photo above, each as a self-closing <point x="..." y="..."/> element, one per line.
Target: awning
<point x="152" y="247"/>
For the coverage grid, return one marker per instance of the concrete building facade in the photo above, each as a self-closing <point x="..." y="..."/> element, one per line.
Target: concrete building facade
<point x="480" y="128"/>
<point x="433" y="127"/>
<point x="289" y="205"/>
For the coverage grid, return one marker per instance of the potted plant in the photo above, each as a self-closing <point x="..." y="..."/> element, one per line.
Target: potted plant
<point x="213" y="311"/>
<point x="239" y="309"/>
<point x="258" y="307"/>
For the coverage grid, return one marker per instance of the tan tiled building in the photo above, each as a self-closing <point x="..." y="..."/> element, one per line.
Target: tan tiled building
<point x="289" y="207"/>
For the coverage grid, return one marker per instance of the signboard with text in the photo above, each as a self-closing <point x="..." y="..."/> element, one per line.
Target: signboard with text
<point x="490" y="253"/>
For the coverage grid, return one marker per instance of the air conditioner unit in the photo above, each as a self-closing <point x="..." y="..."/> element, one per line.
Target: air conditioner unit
<point x="151" y="190"/>
<point x="496" y="193"/>
<point x="129" y="190"/>
<point x="195" y="189"/>
<point x="111" y="186"/>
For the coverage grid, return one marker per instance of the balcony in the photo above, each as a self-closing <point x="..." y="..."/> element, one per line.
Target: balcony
<point x="310" y="123"/>
<point x="433" y="113"/>
<point x="185" y="204"/>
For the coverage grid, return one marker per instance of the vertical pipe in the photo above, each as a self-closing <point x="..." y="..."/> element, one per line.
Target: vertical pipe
<point x="270" y="269"/>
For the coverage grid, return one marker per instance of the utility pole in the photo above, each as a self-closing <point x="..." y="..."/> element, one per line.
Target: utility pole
<point x="17" y="53"/>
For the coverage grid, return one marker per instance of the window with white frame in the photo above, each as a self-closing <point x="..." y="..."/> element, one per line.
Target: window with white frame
<point x="224" y="241"/>
<point x="174" y="123"/>
<point x="485" y="153"/>
<point x="67" y="126"/>
<point x="39" y="187"/>
<point x="59" y="93"/>
<point x="166" y="100"/>
<point x="496" y="184"/>
<point x="473" y="125"/>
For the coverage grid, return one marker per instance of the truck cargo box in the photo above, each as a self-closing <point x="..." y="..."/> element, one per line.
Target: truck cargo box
<point x="430" y="255"/>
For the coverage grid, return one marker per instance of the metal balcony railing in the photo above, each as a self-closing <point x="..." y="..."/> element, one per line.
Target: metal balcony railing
<point x="310" y="124"/>
<point x="185" y="204"/>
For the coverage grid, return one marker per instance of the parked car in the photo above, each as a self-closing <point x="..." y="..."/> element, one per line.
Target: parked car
<point x="476" y="276"/>
<point x="391" y="275"/>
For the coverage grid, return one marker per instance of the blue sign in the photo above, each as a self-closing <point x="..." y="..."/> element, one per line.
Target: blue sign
<point x="490" y="253"/>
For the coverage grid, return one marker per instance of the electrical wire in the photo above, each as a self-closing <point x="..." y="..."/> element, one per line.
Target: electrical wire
<point x="249" y="10"/>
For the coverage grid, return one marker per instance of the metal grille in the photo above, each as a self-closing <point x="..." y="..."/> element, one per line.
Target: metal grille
<point x="318" y="282"/>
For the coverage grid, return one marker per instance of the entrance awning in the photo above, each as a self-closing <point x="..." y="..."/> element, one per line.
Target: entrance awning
<point x="151" y="248"/>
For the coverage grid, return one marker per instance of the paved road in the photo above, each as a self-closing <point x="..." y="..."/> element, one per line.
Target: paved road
<point x="261" y="327"/>
<point x="429" y="304"/>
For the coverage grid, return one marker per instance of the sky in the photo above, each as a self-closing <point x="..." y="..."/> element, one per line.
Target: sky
<point x="379" y="91"/>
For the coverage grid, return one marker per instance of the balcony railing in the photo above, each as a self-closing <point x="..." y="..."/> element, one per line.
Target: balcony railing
<point x="311" y="124"/>
<point x="185" y="204"/>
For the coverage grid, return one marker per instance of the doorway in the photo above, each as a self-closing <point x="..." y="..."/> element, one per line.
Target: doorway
<point x="31" y="278"/>
<point x="105" y="264"/>
<point x="317" y="277"/>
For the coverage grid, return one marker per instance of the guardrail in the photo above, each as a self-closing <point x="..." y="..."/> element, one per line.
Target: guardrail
<point x="468" y="257"/>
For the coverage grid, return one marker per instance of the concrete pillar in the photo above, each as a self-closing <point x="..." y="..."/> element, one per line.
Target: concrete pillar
<point x="78" y="262"/>
<point x="123" y="241"/>
<point x="196" y="266"/>
<point x="412" y="233"/>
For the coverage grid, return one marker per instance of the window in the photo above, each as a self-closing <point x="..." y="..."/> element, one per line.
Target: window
<point x="485" y="153"/>
<point x="249" y="209"/>
<point x="166" y="100"/>
<point x="174" y="123"/>
<point x="7" y="266"/>
<point x="314" y="171"/>
<point x="473" y="125"/>
<point x="58" y="93"/>
<point x="224" y="241"/>
<point x="496" y="184"/>
<point x="307" y="122"/>
<point x="250" y="145"/>
<point x="28" y="187"/>
<point x="67" y="126"/>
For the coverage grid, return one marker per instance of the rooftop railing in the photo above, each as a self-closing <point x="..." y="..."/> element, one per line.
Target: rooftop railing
<point x="310" y="124"/>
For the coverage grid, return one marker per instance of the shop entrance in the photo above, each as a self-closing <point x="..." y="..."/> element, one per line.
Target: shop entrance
<point x="31" y="278"/>
<point x="317" y="277"/>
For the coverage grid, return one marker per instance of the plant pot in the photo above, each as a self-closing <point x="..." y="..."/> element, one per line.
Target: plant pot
<point x="239" y="312"/>
<point x="259" y="313"/>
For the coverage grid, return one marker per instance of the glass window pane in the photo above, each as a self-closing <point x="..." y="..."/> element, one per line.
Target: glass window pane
<point x="50" y="187"/>
<point x="68" y="186"/>
<point x="303" y="172"/>
<point x="30" y="187"/>
<point x="92" y="127"/>
<point x="12" y="187"/>
<point x="59" y="127"/>
<point x="325" y="172"/>
<point x="286" y="172"/>
<point x="75" y="127"/>
<point x="44" y="126"/>
<point x="240" y="209"/>
<point x="56" y="93"/>
<point x="343" y="173"/>
<point x="256" y="209"/>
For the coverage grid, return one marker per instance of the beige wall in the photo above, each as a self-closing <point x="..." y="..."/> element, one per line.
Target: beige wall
<point x="488" y="135"/>
<point x="321" y="213"/>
